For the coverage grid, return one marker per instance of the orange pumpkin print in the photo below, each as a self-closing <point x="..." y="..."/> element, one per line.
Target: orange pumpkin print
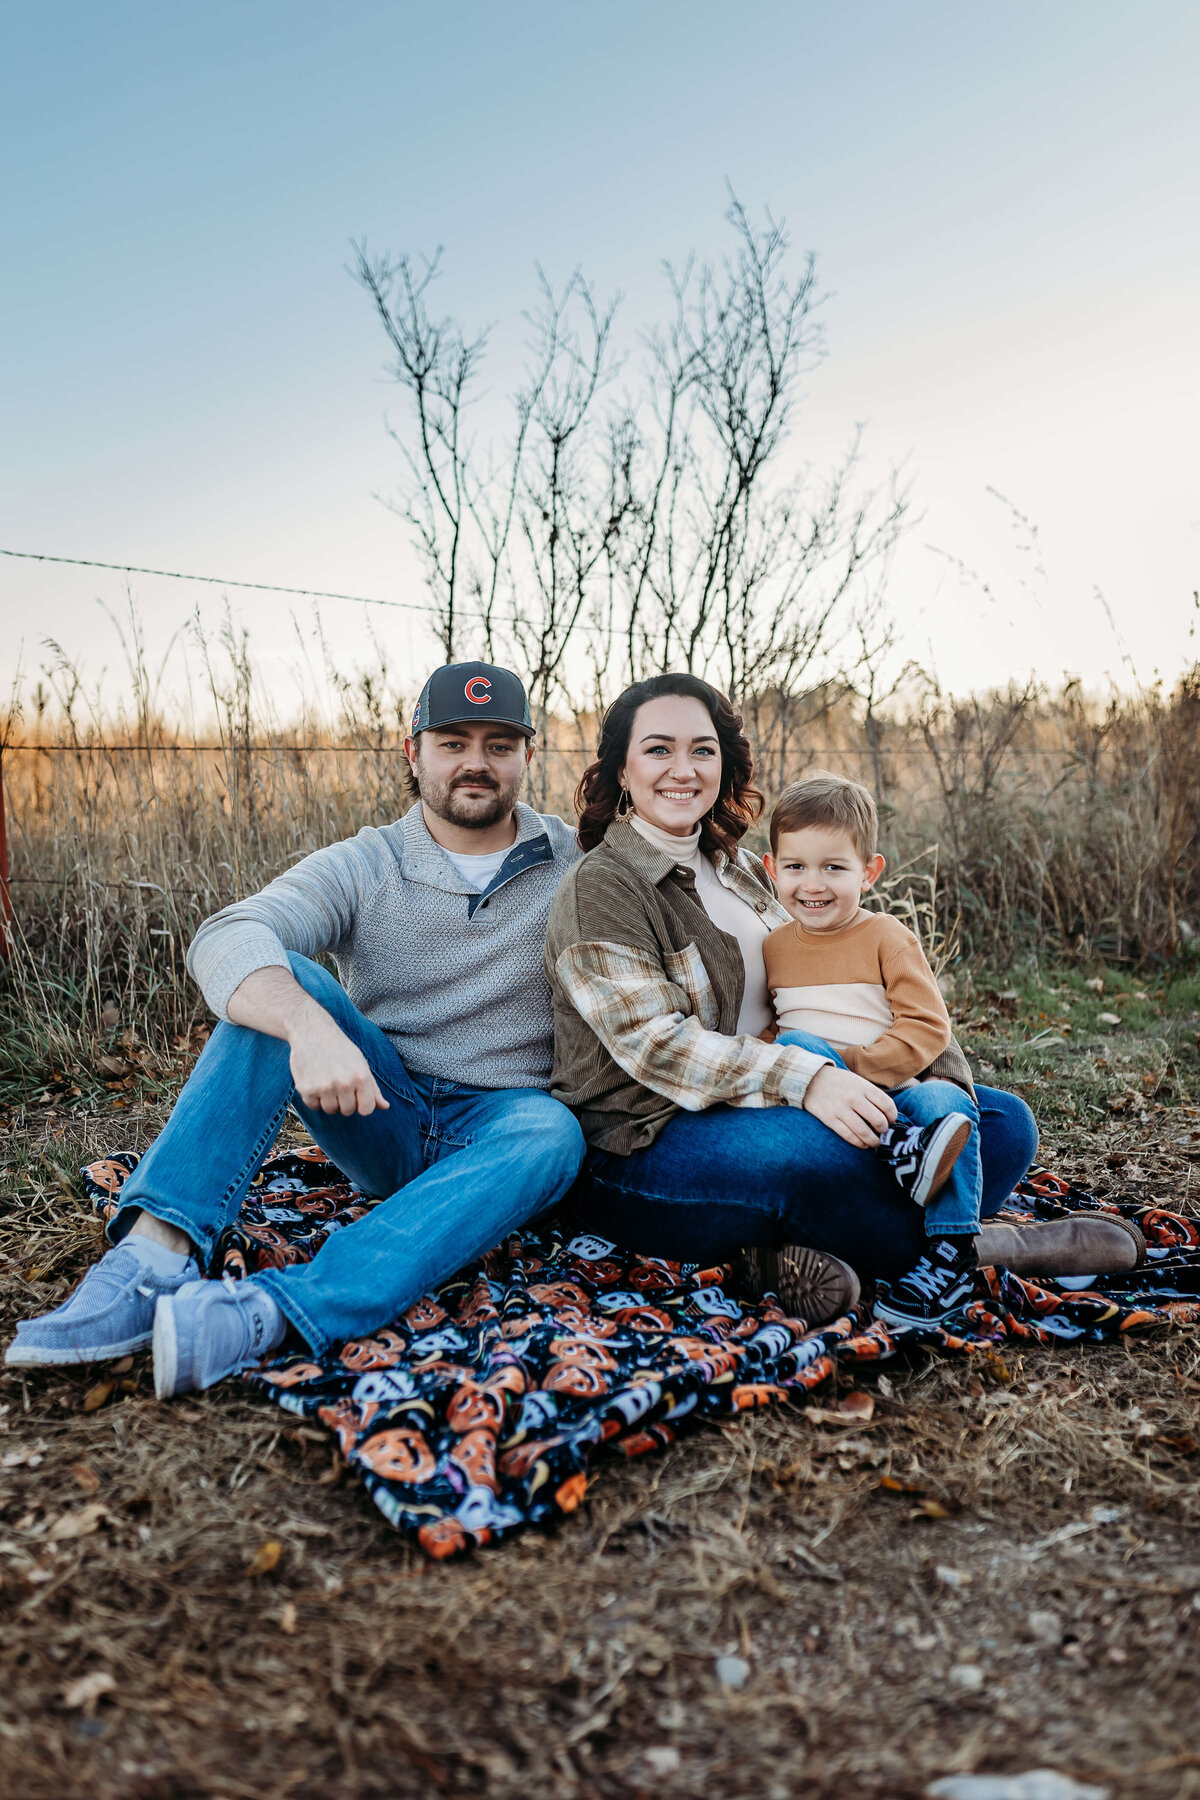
<point x="476" y="1406"/>
<point x="586" y="1324"/>
<point x="424" y="1314"/>
<point x="108" y="1175"/>
<point x="583" y="1352"/>
<point x="473" y="1408"/>
<point x="399" y="1454"/>
<point x="520" y="1327"/>
<point x="571" y="1492"/>
<point x="444" y="1537"/>
<point x="316" y="1205"/>
<point x="302" y="1371"/>
<point x="1168" y="1229"/>
<point x="475" y="1454"/>
<point x="348" y="1420"/>
<point x="603" y="1274"/>
<point x="380" y="1352"/>
<point x="643" y="1318"/>
<point x="654" y="1277"/>
<point x="560" y="1293"/>
<point x="518" y="1461"/>
<point x="570" y="1378"/>
<point x="478" y="1305"/>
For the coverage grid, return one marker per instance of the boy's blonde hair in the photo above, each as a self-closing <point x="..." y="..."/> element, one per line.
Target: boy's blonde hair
<point x="833" y="801"/>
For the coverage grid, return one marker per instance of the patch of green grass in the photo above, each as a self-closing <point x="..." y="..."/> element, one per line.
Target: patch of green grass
<point x="1102" y="1056"/>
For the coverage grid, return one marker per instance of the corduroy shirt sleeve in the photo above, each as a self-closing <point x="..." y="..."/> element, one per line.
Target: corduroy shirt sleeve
<point x="921" y="1030"/>
<point x="655" y="1012"/>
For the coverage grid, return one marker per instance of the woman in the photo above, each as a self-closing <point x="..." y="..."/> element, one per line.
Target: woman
<point x="701" y="1136"/>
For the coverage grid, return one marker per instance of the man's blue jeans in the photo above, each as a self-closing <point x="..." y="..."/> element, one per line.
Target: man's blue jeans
<point x="460" y="1167"/>
<point x="955" y="1209"/>
<point x="715" y="1180"/>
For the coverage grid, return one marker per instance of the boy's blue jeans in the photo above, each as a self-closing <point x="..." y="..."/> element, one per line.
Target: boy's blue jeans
<point x="955" y="1209"/>
<point x="461" y="1168"/>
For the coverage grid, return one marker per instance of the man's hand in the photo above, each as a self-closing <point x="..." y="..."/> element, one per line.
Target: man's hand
<point x="329" y="1070"/>
<point x="332" y="1073"/>
<point x="856" y="1109"/>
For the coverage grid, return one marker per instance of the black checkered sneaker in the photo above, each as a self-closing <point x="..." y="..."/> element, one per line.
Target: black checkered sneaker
<point x="922" y="1156"/>
<point x="941" y="1282"/>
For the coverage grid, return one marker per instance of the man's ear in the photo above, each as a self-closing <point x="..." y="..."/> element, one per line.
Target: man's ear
<point x="771" y="866"/>
<point x="871" y="873"/>
<point x="529" y="750"/>
<point x="411" y="751"/>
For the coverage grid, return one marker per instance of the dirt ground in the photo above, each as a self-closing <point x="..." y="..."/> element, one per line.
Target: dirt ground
<point x="197" y="1602"/>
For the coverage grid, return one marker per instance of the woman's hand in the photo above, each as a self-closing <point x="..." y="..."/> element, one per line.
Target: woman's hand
<point x="856" y="1109"/>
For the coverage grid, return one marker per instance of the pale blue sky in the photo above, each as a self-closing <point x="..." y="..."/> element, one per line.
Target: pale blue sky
<point x="1003" y="201"/>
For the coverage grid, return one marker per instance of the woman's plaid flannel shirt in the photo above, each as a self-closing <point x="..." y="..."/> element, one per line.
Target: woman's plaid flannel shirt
<point x="646" y="992"/>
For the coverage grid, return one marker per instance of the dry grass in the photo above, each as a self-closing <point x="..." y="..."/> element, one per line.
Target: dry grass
<point x="1046" y="1533"/>
<point x="1022" y="824"/>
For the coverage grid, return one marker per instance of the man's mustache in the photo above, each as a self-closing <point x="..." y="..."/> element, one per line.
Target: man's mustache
<point x="480" y="780"/>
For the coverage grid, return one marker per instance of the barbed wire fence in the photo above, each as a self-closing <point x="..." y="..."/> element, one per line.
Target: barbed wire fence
<point x="1025" y="804"/>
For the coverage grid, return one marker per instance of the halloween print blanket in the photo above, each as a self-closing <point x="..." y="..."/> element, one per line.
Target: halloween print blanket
<point x="481" y="1409"/>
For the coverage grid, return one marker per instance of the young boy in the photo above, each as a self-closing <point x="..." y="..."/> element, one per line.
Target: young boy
<point x="856" y="986"/>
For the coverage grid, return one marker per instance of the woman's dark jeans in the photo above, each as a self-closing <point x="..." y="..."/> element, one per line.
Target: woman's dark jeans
<point x="715" y="1180"/>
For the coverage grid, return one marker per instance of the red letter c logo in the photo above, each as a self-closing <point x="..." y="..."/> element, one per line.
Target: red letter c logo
<point x="477" y="681"/>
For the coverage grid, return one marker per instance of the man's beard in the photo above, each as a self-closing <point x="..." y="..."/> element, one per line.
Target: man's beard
<point x="471" y="812"/>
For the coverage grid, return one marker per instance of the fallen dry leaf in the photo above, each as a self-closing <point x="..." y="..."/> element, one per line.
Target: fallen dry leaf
<point x="80" y="1524"/>
<point x="928" y="1508"/>
<point x="264" y="1560"/>
<point x="86" y="1477"/>
<point x="96" y="1396"/>
<point x="287" y="1618"/>
<point x="87" y="1690"/>
<point x="123" y="1367"/>
<point x="858" y="1404"/>
<point x="829" y="1415"/>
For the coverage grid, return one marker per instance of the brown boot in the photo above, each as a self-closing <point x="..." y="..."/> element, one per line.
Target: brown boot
<point x="1084" y="1243"/>
<point x="811" y="1284"/>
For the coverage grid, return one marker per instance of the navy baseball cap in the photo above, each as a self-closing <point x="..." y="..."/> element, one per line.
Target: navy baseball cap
<point x="460" y="693"/>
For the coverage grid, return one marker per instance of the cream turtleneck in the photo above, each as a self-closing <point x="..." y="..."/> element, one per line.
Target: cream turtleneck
<point x="728" y="912"/>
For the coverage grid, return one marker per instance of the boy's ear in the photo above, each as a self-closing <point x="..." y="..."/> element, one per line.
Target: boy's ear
<point x="872" y="871"/>
<point x="770" y="865"/>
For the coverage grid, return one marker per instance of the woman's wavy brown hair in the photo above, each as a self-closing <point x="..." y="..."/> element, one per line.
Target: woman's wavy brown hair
<point x="737" y="804"/>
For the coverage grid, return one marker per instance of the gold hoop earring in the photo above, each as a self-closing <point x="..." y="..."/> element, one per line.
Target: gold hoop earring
<point x="623" y="803"/>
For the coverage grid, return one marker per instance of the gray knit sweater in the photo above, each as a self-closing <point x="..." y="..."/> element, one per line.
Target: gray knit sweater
<point x="453" y="976"/>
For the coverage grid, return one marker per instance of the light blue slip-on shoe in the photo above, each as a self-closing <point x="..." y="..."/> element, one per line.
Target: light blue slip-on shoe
<point x="207" y="1330"/>
<point x="111" y="1313"/>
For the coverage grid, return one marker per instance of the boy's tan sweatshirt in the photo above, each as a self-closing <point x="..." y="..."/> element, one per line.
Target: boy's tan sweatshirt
<point x="867" y="990"/>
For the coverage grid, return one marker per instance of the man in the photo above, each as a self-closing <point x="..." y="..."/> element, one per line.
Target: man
<point x="424" y="1075"/>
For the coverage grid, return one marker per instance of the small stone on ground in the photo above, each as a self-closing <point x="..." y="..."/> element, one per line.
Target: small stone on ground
<point x="1035" y="1784"/>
